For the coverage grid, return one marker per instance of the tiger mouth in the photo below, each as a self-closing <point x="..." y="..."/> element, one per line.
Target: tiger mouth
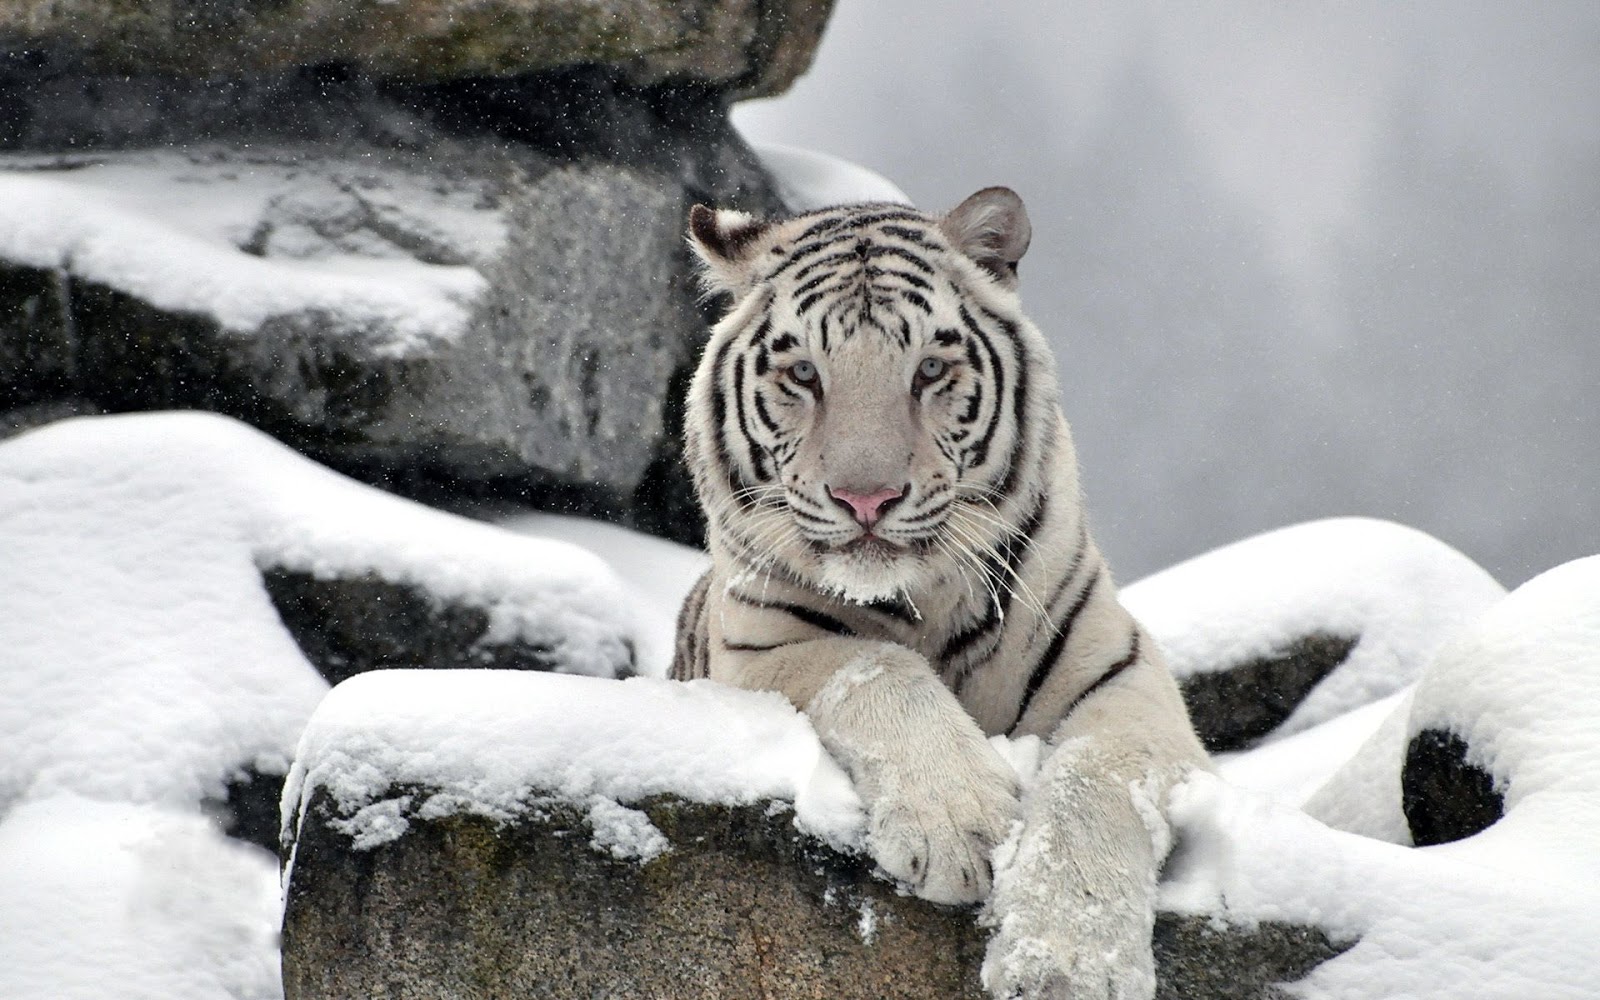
<point x="871" y="544"/>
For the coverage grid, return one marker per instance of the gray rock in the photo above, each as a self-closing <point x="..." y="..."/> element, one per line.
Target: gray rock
<point x="741" y="906"/>
<point x="747" y="47"/>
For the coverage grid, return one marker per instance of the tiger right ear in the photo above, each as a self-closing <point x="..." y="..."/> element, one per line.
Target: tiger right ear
<point x="993" y="229"/>
<point x="725" y="241"/>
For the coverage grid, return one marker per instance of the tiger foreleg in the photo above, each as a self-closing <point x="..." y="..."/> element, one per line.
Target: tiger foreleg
<point x="1073" y="901"/>
<point x="938" y="797"/>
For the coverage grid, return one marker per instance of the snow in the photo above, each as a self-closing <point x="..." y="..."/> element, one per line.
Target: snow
<point x="172" y="228"/>
<point x="142" y="665"/>
<point x="117" y="901"/>
<point x="493" y="743"/>
<point x="656" y="575"/>
<point x="1512" y="912"/>
<point x="1400" y="591"/>
<point x="809" y="180"/>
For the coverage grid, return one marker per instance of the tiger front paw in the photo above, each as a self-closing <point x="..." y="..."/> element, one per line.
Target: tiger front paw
<point x="938" y="839"/>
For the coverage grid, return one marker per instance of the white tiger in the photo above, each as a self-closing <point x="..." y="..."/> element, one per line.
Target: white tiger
<point x="899" y="547"/>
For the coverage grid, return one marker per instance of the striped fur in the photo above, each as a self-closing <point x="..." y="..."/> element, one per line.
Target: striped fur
<point x="875" y="347"/>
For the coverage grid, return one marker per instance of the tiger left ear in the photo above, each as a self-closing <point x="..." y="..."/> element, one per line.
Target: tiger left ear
<point x="992" y="228"/>
<point x="725" y="241"/>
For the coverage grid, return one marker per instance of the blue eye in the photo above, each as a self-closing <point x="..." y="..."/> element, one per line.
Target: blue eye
<point x="803" y="372"/>
<point x="931" y="369"/>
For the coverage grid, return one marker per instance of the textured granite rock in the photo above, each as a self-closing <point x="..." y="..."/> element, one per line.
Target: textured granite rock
<point x="752" y="48"/>
<point x="740" y="906"/>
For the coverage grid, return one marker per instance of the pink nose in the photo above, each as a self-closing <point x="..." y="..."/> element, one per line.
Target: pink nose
<point x="867" y="507"/>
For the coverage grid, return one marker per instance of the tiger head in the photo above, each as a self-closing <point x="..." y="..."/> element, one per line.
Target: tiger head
<point x="869" y="416"/>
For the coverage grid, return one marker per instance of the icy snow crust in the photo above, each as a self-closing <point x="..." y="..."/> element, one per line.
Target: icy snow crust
<point x="1402" y="592"/>
<point x="494" y="743"/>
<point x="140" y="658"/>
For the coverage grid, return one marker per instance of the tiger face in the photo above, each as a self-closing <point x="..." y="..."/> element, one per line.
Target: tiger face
<point x="862" y="408"/>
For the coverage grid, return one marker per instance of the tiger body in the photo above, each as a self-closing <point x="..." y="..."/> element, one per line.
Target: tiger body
<point x="899" y="547"/>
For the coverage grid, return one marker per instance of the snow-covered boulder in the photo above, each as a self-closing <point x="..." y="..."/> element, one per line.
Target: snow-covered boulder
<point x="506" y="835"/>
<point x="1275" y="634"/>
<point x="1502" y="723"/>
<point x="1505" y="718"/>
<point x="142" y="657"/>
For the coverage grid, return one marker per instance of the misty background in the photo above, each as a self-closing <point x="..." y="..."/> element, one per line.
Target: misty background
<point x="1296" y="260"/>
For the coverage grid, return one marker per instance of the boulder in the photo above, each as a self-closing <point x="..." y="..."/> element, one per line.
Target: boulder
<point x="732" y="903"/>
<point x="510" y="835"/>
<point x="1278" y="633"/>
<point x="746" y="47"/>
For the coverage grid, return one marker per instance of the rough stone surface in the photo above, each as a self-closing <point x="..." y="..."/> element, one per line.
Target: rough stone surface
<point x="740" y="907"/>
<point x="1444" y="795"/>
<point x="1233" y="709"/>
<point x="749" y="47"/>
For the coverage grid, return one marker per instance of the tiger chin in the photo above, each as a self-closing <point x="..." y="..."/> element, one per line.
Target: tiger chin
<point x="899" y="547"/>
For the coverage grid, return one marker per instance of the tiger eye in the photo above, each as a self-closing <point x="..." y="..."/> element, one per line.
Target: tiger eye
<point x="803" y="372"/>
<point x="932" y="368"/>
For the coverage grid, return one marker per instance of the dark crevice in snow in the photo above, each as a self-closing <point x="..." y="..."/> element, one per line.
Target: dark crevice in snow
<point x="1445" y="796"/>
<point x="1234" y="709"/>
<point x="249" y="811"/>
<point x="349" y="625"/>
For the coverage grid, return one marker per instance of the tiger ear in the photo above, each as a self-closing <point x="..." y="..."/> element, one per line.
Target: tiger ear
<point x="725" y="241"/>
<point x="993" y="229"/>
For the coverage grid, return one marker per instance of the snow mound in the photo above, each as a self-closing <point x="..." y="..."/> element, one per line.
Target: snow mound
<point x="1519" y="689"/>
<point x="140" y="657"/>
<point x="246" y="238"/>
<point x="808" y="180"/>
<point x="393" y="744"/>
<point x="1511" y="912"/>
<point x="1401" y="592"/>
<point x="112" y="901"/>
<point x="656" y="574"/>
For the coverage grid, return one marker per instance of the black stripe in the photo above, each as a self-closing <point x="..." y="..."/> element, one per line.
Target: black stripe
<point x="1110" y="673"/>
<point x="747" y="647"/>
<point x="900" y="253"/>
<point x="752" y="446"/>
<point x="947" y="337"/>
<point x="980" y="448"/>
<point x="810" y="616"/>
<point x="785" y="342"/>
<point x="1052" y="653"/>
<point x="909" y="235"/>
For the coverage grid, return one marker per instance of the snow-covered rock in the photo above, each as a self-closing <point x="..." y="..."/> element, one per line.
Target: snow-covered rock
<point x="1500" y="723"/>
<point x="490" y="834"/>
<point x="1275" y="634"/>
<point x="141" y="656"/>
<point x="1507" y="911"/>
